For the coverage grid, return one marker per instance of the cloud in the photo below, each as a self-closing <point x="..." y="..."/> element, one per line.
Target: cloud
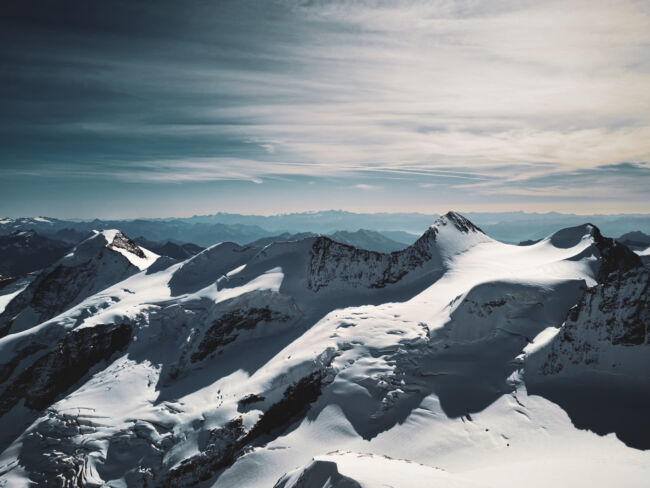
<point x="624" y="181"/>
<point x="504" y="97"/>
<point x="363" y="186"/>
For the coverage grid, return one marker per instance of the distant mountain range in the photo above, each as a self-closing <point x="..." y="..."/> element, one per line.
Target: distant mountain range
<point x="362" y="239"/>
<point x="635" y="240"/>
<point x="24" y="251"/>
<point x="512" y="227"/>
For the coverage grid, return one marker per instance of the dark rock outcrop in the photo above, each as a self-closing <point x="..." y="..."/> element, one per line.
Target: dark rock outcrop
<point x="597" y="368"/>
<point x="53" y="373"/>
<point x="120" y="241"/>
<point x="224" y="330"/>
<point x="334" y="263"/>
<point x="616" y="257"/>
<point x="223" y="446"/>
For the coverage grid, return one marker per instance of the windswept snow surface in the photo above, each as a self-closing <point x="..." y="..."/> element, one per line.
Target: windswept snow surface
<point x="246" y="367"/>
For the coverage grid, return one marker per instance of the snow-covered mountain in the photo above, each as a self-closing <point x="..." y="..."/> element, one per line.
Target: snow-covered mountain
<point x="9" y="225"/>
<point x="103" y="259"/>
<point x="311" y="363"/>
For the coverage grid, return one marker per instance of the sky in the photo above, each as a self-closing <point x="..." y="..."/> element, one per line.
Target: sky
<point x="121" y="109"/>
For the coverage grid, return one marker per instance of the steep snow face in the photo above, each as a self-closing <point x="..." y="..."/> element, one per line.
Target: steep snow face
<point x="209" y="266"/>
<point x="572" y="236"/>
<point x="241" y="364"/>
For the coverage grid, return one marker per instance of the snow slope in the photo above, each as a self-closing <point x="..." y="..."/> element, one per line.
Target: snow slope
<point x="245" y="367"/>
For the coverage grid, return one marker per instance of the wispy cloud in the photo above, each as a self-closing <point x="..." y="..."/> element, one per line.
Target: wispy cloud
<point x="363" y="186"/>
<point x="623" y="181"/>
<point x="519" y="98"/>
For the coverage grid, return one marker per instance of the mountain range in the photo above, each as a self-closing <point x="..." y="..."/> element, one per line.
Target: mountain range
<point x="511" y="227"/>
<point x="304" y="361"/>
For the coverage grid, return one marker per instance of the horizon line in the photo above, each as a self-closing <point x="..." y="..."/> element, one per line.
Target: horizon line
<point x="316" y="212"/>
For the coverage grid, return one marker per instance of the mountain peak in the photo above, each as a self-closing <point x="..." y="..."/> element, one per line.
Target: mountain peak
<point x="454" y="231"/>
<point x="121" y="241"/>
<point x="116" y="241"/>
<point x="457" y="220"/>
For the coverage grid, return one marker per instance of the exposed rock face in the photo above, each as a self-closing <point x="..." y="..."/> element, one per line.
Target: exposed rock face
<point x="224" y="330"/>
<point x="120" y="241"/>
<point x="294" y="403"/>
<point x="210" y="329"/>
<point x="602" y="329"/>
<point x="333" y="263"/>
<point x="66" y="362"/>
<point x="616" y="257"/>
<point x="461" y="223"/>
<point x="223" y="446"/>
<point x="249" y="400"/>
<point x="597" y="368"/>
